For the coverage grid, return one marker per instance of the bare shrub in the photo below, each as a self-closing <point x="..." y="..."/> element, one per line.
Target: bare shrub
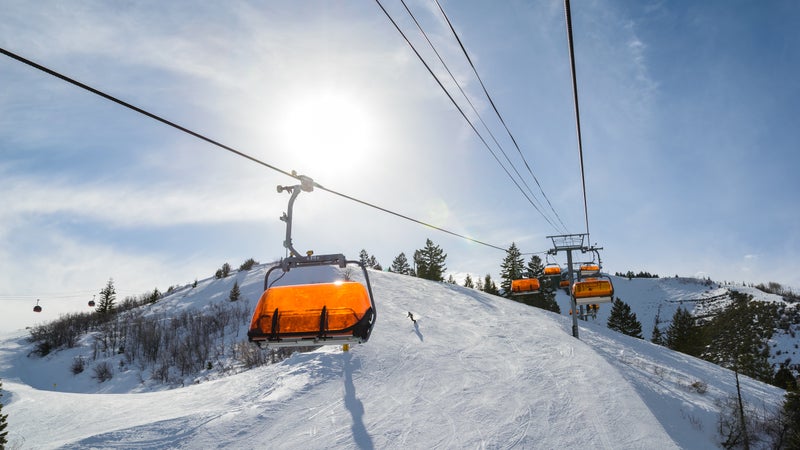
<point x="103" y="372"/>
<point x="161" y="373"/>
<point x="169" y="346"/>
<point x="762" y="428"/>
<point x="700" y="386"/>
<point x="249" y="355"/>
<point x="78" y="365"/>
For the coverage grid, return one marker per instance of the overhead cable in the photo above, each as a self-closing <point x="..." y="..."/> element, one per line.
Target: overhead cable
<point x="461" y="111"/>
<point x="230" y="149"/>
<point x="139" y="110"/>
<point x="577" y="110"/>
<point x="499" y="116"/>
<point x="466" y="97"/>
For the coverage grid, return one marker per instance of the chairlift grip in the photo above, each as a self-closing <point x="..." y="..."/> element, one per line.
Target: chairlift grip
<point x="306" y="184"/>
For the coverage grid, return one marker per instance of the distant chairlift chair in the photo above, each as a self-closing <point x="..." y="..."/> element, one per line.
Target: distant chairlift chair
<point x="525" y="286"/>
<point x="592" y="291"/>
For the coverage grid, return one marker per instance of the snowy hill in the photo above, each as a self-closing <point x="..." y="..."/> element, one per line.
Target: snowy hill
<point x="474" y="371"/>
<point x="648" y="297"/>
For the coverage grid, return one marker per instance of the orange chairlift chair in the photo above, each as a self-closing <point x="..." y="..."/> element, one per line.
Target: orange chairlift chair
<point x="525" y="286"/>
<point x="551" y="276"/>
<point x="552" y="270"/>
<point x="589" y="270"/>
<point x="335" y="313"/>
<point x="593" y="290"/>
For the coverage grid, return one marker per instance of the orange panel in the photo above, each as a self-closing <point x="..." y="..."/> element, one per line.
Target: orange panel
<point x="590" y="268"/>
<point x="593" y="288"/>
<point x="552" y="270"/>
<point x="564" y="283"/>
<point x="525" y="285"/>
<point x="300" y="307"/>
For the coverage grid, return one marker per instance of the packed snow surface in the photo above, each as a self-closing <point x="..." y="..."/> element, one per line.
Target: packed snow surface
<point x="474" y="371"/>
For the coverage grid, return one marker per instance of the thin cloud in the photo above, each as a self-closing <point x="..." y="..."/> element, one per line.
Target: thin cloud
<point x="128" y="205"/>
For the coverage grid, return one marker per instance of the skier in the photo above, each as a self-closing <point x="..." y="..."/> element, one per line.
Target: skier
<point x="411" y="316"/>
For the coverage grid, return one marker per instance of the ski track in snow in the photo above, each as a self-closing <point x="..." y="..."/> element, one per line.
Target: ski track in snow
<point x="475" y="371"/>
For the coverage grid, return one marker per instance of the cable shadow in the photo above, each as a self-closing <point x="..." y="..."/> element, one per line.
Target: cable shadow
<point x="416" y="330"/>
<point x="361" y="437"/>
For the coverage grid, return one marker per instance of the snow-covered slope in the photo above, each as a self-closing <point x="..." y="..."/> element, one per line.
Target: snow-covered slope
<point x="474" y="371"/>
<point x="649" y="297"/>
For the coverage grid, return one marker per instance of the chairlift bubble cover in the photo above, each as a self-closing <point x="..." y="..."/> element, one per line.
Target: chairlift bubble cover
<point x="552" y="270"/>
<point x="525" y="285"/>
<point x="313" y="311"/>
<point x="588" y="270"/>
<point x="593" y="291"/>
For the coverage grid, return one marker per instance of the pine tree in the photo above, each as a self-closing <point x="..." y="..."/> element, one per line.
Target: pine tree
<point x="657" y="336"/>
<point x="511" y="269"/>
<point x="682" y="334"/>
<point x="3" y="423"/>
<point x="535" y="267"/>
<point x="544" y="300"/>
<point x="248" y="264"/>
<point x="784" y="379"/>
<point x="549" y="302"/>
<point x="790" y="417"/>
<point x="374" y="264"/>
<point x="107" y="298"/>
<point x="363" y="257"/>
<point x="400" y="265"/>
<point x="154" y="296"/>
<point x="235" y="293"/>
<point x="451" y="279"/>
<point x="223" y="272"/>
<point x="623" y="320"/>
<point x="468" y="282"/>
<point x="430" y="262"/>
<point x="419" y="265"/>
<point x="738" y="337"/>
<point x="489" y="286"/>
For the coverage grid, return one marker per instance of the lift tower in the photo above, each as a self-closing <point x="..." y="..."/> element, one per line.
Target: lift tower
<point x="567" y="243"/>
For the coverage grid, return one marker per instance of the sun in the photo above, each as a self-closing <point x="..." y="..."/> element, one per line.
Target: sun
<point x="328" y="133"/>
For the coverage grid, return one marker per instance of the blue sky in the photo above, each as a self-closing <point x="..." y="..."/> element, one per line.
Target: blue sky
<point x="689" y="130"/>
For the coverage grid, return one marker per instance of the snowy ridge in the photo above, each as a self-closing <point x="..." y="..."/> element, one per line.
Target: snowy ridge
<point x="474" y="371"/>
